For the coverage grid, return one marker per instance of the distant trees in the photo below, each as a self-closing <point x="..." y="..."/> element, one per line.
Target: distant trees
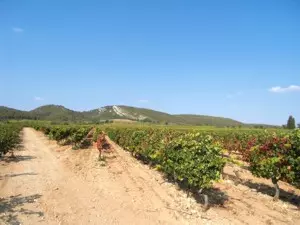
<point x="298" y="125"/>
<point x="13" y="114"/>
<point x="291" y="124"/>
<point x="146" y="120"/>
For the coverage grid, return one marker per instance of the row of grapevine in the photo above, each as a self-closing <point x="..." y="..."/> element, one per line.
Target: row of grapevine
<point x="191" y="159"/>
<point x="9" y="137"/>
<point x="194" y="158"/>
<point x="277" y="158"/>
<point x="65" y="134"/>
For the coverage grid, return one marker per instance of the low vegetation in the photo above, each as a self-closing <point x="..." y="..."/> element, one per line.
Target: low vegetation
<point x="277" y="158"/>
<point x="182" y="156"/>
<point x="65" y="134"/>
<point x="9" y="137"/>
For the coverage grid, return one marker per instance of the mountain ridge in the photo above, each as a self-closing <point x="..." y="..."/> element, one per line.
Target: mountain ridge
<point x="60" y="113"/>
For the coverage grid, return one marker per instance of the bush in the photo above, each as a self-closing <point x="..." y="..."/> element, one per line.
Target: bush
<point x="277" y="159"/>
<point x="193" y="160"/>
<point x="9" y="137"/>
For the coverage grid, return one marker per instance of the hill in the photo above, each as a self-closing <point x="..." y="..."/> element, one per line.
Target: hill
<point x="56" y="113"/>
<point x="59" y="113"/>
<point x="149" y="115"/>
<point x="7" y="113"/>
<point x="207" y="120"/>
<point x="127" y="112"/>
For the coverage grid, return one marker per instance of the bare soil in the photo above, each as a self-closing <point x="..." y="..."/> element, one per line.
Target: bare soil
<point x="51" y="184"/>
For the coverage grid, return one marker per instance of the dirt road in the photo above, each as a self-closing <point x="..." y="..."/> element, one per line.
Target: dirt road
<point x="43" y="186"/>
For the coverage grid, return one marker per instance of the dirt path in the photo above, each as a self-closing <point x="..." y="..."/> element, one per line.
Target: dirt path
<point x="51" y="184"/>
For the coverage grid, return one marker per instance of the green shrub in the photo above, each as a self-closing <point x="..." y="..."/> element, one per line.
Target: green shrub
<point x="278" y="158"/>
<point x="9" y="137"/>
<point x="193" y="160"/>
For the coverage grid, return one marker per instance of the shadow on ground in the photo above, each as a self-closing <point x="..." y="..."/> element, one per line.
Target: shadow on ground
<point x="12" y="207"/>
<point x="216" y="197"/>
<point x="18" y="158"/>
<point x="17" y="174"/>
<point x="267" y="190"/>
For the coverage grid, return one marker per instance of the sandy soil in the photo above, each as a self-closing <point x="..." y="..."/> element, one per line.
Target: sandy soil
<point x="51" y="184"/>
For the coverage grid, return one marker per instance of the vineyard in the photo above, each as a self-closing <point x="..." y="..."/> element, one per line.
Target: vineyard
<point x="192" y="158"/>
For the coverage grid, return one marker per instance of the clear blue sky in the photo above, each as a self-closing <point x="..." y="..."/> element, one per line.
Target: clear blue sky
<point x="217" y="58"/>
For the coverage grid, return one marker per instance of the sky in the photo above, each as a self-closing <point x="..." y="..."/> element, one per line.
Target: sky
<point x="236" y="59"/>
